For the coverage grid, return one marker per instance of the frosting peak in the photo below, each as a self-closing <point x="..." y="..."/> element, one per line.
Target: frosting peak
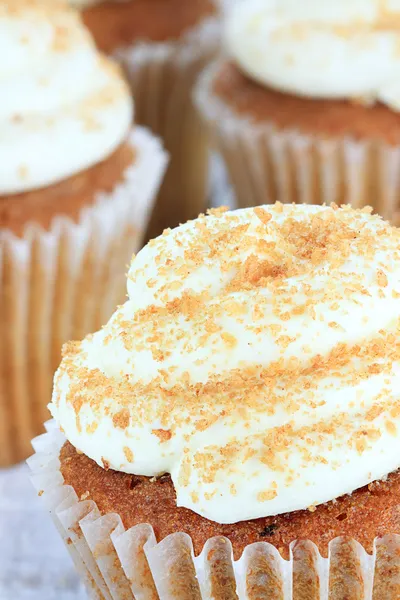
<point x="63" y="106"/>
<point x="330" y="49"/>
<point x="256" y="360"/>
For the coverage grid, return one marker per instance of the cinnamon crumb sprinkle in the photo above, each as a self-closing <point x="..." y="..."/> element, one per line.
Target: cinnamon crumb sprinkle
<point x="229" y="339"/>
<point x="128" y="454"/>
<point x="217" y="212"/>
<point x="121" y="419"/>
<point x="162" y="434"/>
<point x="264" y="216"/>
<point x="267" y="495"/>
<point x="381" y="278"/>
<point x="391" y="428"/>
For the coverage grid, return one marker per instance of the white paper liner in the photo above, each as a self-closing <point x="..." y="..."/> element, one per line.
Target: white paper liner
<point x="266" y="164"/>
<point x="162" y="75"/>
<point x="63" y="283"/>
<point x="120" y="565"/>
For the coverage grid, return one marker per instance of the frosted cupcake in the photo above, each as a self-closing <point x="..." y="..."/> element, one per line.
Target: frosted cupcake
<point x="305" y="108"/>
<point x="76" y="187"/>
<point x="163" y="45"/>
<point x="234" y="423"/>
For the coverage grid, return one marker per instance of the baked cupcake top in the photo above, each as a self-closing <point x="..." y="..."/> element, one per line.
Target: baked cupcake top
<point x="335" y="49"/>
<point x="257" y="360"/>
<point x="63" y="106"/>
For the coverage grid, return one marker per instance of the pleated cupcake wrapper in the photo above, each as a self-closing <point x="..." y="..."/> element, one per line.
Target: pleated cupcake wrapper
<point x="119" y="564"/>
<point x="162" y="76"/>
<point x="266" y="164"/>
<point x="63" y="283"/>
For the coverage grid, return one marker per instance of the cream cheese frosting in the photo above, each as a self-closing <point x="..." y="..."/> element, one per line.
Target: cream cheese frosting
<point x="257" y="360"/>
<point x="335" y="49"/>
<point x="63" y="106"/>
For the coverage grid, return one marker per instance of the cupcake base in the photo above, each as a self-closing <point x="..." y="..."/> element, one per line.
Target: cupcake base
<point x="120" y="564"/>
<point x="369" y="512"/>
<point x="279" y="147"/>
<point x="62" y="283"/>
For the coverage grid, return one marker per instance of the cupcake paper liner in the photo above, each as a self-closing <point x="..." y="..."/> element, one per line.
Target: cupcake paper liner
<point x="162" y="76"/>
<point x="116" y="564"/>
<point x="63" y="283"/>
<point x="266" y="164"/>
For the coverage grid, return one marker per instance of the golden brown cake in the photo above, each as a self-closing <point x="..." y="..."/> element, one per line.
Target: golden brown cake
<point x="369" y="512"/>
<point x="116" y="24"/>
<point x="66" y="198"/>
<point x="332" y="118"/>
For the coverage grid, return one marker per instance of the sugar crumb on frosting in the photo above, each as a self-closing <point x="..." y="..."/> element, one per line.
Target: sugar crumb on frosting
<point x="257" y="356"/>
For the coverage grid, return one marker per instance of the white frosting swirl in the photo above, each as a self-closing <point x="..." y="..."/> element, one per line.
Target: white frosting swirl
<point x="63" y="107"/>
<point x="321" y="49"/>
<point x="257" y="360"/>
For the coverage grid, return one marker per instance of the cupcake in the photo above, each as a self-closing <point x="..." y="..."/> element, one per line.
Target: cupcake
<point x="305" y="107"/>
<point x="77" y="183"/>
<point x="231" y="432"/>
<point x="163" y="45"/>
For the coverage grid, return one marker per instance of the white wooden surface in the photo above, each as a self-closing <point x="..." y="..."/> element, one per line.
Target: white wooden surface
<point x="34" y="564"/>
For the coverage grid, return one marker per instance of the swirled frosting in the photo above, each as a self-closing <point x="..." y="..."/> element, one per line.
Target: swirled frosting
<point x="257" y="360"/>
<point x="63" y="106"/>
<point x="329" y="49"/>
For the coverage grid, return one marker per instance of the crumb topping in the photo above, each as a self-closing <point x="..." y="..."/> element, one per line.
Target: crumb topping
<point x="258" y="351"/>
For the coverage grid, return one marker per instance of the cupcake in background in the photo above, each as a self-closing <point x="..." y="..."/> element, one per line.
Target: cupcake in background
<point x="236" y="421"/>
<point x="305" y="107"/>
<point x="77" y="183"/>
<point x="163" y="45"/>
